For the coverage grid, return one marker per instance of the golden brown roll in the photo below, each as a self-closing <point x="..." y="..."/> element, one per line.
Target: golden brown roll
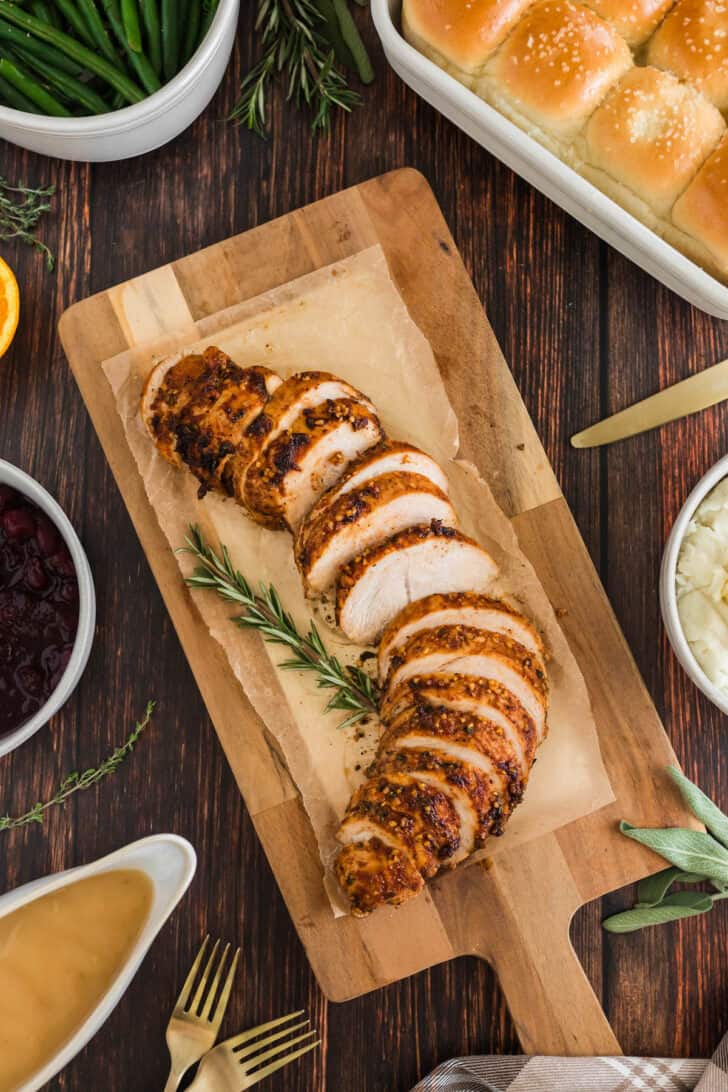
<point x="554" y="70"/>
<point x="635" y="20"/>
<point x="460" y="35"/>
<point x="647" y="140"/>
<point x="692" y="43"/>
<point x="701" y="214"/>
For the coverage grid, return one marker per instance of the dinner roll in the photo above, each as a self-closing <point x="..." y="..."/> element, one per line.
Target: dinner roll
<point x="554" y="70"/>
<point x="693" y="44"/>
<point x="647" y="140"/>
<point x="701" y="214"/>
<point x="633" y="19"/>
<point x="460" y="35"/>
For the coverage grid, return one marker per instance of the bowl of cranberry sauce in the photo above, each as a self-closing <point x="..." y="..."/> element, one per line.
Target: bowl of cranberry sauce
<point x="47" y="607"/>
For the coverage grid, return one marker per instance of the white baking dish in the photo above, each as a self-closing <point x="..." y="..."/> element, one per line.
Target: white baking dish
<point x="544" y="170"/>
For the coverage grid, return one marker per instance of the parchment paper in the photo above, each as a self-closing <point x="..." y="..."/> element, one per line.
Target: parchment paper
<point x="349" y="318"/>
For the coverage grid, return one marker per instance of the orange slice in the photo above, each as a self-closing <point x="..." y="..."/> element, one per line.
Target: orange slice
<point x="9" y="306"/>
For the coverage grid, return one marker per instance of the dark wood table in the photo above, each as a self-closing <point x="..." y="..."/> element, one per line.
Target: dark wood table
<point x="586" y="333"/>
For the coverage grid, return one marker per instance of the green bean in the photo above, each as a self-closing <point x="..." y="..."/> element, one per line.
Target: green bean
<point x="210" y="11"/>
<point x="117" y="101"/>
<point x="150" y="17"/>
<point x="192" y="33"/>
<point x="76" y="21"/>
<point x="170" y="38"/>
<point x="32" y="90"/>
<point x="12" y="97"/>
<point x="68" y="86"/>
<point x="21" y="40"/>
<point x="46" y="13"/>
<point x="132" y="28"/>
<point x="139" y="61"/>
<point x="332" y="31"/>
<point x="350" y="34"/>
<point x="96" y="28"/>
<point x="71" y="48"/>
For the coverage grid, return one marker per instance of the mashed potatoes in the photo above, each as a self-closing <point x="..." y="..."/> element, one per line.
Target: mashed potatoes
<point x="702" y="585"/>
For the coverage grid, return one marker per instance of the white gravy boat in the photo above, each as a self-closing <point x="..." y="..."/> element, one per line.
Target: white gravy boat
<point x="170" y="862"/>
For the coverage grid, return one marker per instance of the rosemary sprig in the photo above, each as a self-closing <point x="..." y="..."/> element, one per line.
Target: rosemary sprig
<point x="21" y="207"/>
<point x="295" y="43"/>
<point x="79" y="782"/>
<point x="695" y="858"/>
<point x="355" y="692"/>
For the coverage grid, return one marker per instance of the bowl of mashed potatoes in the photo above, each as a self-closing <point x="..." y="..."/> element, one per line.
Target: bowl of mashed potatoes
<point x="694" y="585"/>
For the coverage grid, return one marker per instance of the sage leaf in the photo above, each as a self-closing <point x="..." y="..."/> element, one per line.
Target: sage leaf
<point x="689" y="850"/>
<point x="683" y="904"/>
<point x="701" y="806"/>
<point x="653" y="889"/>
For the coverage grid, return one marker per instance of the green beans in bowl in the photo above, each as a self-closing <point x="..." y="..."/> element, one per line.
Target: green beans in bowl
<point x="108" y="79"/>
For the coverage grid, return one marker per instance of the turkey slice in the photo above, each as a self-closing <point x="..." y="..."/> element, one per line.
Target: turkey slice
<point x="364" y="517"/>
<point x="457" y="608"/>
<point x="377" y="584"/>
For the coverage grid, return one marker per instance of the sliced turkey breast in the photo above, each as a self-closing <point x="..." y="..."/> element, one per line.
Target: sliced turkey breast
<point x="372" y="871"/>
<point x="168" y="388"/>
<point x="407" y="812"/>
<point x="385" y="458"/>
<point x="377" y="584"/>
<point x="292" y="472"/>
<point x="457" y="608"/>
<point x="296" y="394"/>
<point x="363" y="517"/>
<point x="198" y="407"/>
<point x="468" y="789"/>
<point x="466" y="651"/>
<point x="472" y="696"/>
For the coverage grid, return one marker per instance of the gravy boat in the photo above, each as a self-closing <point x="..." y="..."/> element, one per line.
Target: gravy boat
<point x="170" y="862"/>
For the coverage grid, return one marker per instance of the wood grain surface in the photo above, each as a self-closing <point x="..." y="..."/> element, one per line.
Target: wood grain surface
<point x="585" y="333"/>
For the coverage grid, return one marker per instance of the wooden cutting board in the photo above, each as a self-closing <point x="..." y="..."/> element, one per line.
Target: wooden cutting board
<point x="517" y="913"/>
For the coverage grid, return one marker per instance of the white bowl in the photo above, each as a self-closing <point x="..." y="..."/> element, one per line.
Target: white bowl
<point x="18" y="479"/>
<point x="169" y="861"/>
<point x="668" y="587"/>
<point x="136" y="129"/>
<point x="545" y="171"/>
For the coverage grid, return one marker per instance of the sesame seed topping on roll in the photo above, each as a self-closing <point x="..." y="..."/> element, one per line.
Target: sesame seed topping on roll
<point x="692" y="43"/>
<point x="702" y="213"/>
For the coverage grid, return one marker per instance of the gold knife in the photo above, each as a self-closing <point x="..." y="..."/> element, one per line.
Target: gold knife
<point x="680" y="400"/>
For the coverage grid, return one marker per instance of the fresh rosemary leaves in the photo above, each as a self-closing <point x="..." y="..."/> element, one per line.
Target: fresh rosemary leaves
<point x="695" y="857"/>
<point x="79" y="782"/>
<point x="355" y="692"/>
<point x="20" y="210"/>
<point x="308" y="43"/>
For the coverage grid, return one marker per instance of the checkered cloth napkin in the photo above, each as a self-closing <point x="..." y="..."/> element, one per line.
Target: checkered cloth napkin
<point x="520" y="1073"/>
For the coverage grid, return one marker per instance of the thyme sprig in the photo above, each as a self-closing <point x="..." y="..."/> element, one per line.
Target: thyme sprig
<point x="355" y="692"/>
<point x="21" y="207"/>
<point x="297" y="44"/>
<point x="696" y="858"/>
<point x="79" y="782"/>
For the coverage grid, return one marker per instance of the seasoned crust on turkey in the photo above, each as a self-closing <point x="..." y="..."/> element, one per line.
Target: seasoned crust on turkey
<point x="457" y="608"/>
<point x="372" y="872"/>
<point x="384" y="458"/>
<point x="467" y="651"/>
<point x="377" y="584"/>
<point x="471" y="695"/>
<point x="363" y="517"/>
<point x="292" y="472"/>
<point x="297" y="393"/>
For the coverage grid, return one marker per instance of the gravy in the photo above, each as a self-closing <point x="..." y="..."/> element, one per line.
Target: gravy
<point x="58" y="957"/>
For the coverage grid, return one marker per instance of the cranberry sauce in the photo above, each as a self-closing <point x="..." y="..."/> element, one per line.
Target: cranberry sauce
<point x="38" y="608"/>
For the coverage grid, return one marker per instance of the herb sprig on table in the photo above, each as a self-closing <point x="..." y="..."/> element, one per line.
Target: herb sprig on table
<point x="311" y="44"/>
<point x="79" y="782"/>
<point x="21" y="207"/>
<point x="696" y="858"/>
<point x="355" y="692"/>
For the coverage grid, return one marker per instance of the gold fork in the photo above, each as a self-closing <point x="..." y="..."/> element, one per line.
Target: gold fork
<point x="194" y="1025"/>
<point x="228" y="1068"/>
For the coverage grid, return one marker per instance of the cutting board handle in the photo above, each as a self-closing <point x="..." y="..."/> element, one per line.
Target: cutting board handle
<point x="521" y="907"/>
